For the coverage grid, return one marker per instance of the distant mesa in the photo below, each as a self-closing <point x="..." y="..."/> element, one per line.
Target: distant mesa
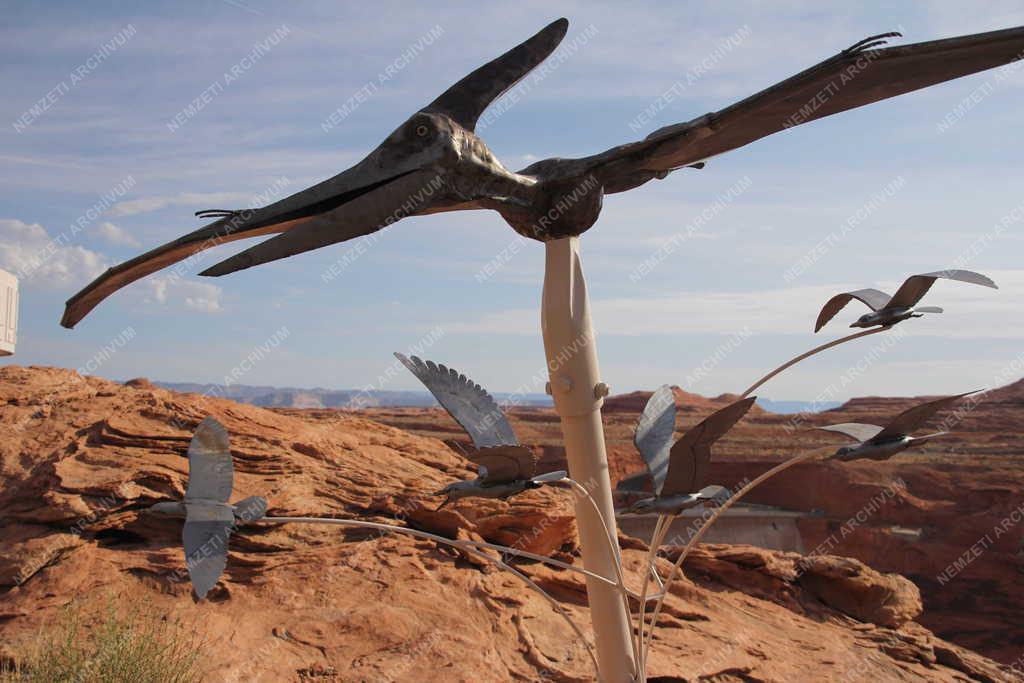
<point x="686" y="402"/>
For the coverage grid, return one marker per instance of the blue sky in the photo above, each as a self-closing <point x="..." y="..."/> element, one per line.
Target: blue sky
<point x="912" y="185"/>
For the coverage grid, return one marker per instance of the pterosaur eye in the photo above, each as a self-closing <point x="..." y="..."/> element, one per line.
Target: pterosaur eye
<point x="422" y="131"/>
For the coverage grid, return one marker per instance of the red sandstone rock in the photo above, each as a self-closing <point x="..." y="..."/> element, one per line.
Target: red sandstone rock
<point x="83" y="457"/>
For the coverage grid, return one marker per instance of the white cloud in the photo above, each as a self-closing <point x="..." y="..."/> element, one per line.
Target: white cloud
<point x="216" y="200"/>
<point x="27" y="250"/>
<point x="971" y="311"/>
<point x="112" y="234"/>
<point x="194" y="296"/>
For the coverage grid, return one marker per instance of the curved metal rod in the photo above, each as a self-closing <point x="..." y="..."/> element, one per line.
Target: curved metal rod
<point x="542" y="558"/>
<point x="467" y="546"/>
<point x="641" y="624"/>
<point x="675" y="571"/>
<point x="613" y="547"/>
<point x="808" y="354"/>
<point x="656" y="539"/>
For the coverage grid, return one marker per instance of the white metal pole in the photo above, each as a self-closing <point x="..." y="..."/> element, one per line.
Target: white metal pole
<point x="578" y="395"/>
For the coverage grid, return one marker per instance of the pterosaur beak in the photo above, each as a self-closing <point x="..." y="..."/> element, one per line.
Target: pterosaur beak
<point x="373" y="206"/>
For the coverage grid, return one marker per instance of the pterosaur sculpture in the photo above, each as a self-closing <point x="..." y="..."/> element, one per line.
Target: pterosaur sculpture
<point x="434" y="162"/>
<point x="504" y="466"/>
<point x="209" y="518"/>
<point x="888" y="310"/>
<point x="881" y="443"/>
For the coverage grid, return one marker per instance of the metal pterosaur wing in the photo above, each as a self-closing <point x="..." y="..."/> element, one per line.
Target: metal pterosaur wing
<point x="654" y="431"/>
<point x="500" y="464"/>
<point x="210" y="472"/>
<point x="913" y="418"/>
<point x="690" y="457"/>
<point x="858" y="431"/>
<point x="853" y="78"/>
<point x="467" y="402"/>
<point x="916" y="286"/>
<point x="873" y="298"/>
<point x="465" y="101"/>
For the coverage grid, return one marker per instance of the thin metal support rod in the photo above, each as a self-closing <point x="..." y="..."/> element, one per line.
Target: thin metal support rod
<point x="441" y="539"/>
<point x="467" y="546"/>
<point x="661" y="529"/>
<point x="641" y="624"/>
<point x="816" y="349"/>
<point x="735" y="498"/>
<point x="613" y="547"/>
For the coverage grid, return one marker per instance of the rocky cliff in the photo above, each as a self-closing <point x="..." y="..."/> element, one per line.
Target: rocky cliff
<point x="83" y="457"/>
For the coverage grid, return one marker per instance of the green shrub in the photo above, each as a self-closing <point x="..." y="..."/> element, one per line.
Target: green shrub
<point x="116" y="646"/>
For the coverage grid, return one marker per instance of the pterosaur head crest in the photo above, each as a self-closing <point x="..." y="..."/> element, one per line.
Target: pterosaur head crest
<point x="465" y="101"/>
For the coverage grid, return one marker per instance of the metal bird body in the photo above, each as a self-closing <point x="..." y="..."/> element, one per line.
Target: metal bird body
<point x="504" y="466"/>
<point x="435" y="162"/>
<point x="871" y="450"/>
<point x="881" y="443"/>
<point x="888" y="310"/>
<point x="679" y="470"/>
<point x="209" y="518"/>
<point x="675" y="504"/>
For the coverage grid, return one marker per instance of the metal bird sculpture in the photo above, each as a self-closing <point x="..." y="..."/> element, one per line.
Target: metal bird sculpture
<point x="888" y="310"/>
<point x="209" y="518"/>
<point x="504" y="467"/>
<point x="435" y="162"/>
<point x="680" y="470"/>
<point x="881" y="443"/>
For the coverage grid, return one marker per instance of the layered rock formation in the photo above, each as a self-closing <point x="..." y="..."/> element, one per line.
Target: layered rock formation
<point x="83" y="457"/>
<point x="948" y="516"/>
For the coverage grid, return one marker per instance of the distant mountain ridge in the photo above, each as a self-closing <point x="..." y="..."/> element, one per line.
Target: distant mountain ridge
<point x="290" y="397"/>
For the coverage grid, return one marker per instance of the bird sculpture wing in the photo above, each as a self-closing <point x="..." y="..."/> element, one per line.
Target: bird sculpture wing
<point x="857" y="431"/>
<point x="872" y="298"/>
<point x="206" y="545"/>
<point x="210" y="472"/>
<point x="916" y="286"/>
<point x="690" y="457"/>
<point x="914" y="418"/>
<point x="467" y="402"/>
<point x="503" y="464"/>
<point x="857" y="76"/>
<point x="653" y="435"/>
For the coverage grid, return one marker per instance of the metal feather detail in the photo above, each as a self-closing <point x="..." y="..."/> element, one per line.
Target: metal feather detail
<point x="467" y="402"/>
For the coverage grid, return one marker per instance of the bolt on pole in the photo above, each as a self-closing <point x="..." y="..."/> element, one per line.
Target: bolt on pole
<point x="578" y="394"/>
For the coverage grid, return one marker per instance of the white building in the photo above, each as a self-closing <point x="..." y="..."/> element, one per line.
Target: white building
<point x="8" y="312"/>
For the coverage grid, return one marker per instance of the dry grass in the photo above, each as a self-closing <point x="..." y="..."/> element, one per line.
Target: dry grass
<point x="114" y="646"/>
